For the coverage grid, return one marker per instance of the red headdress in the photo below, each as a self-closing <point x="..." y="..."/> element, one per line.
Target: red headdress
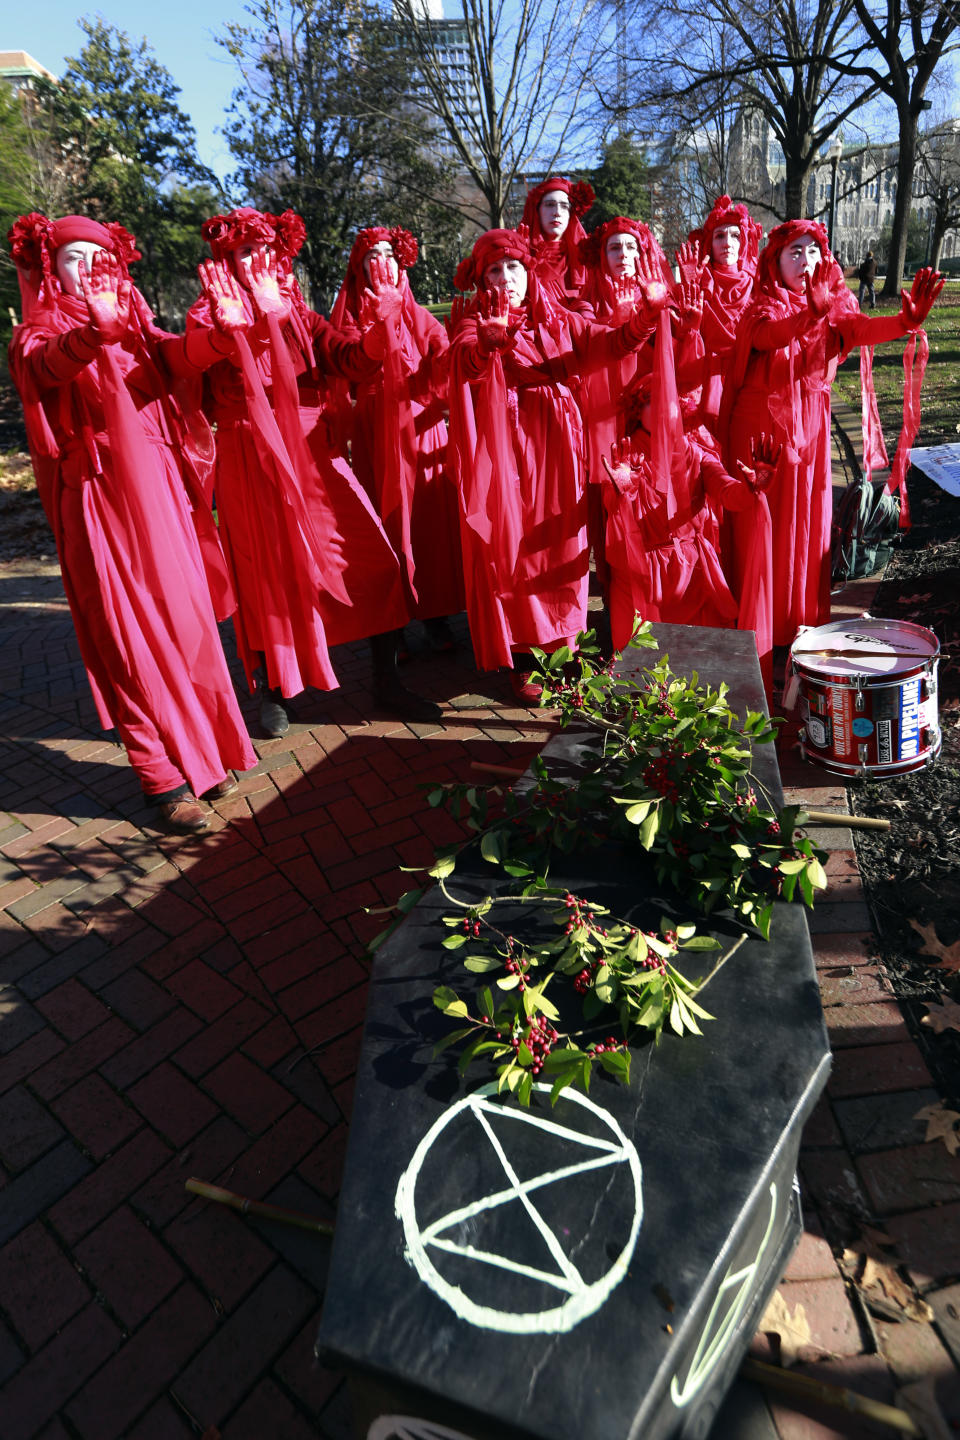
<point x="35" y="240"/>
<point x="346" y="309"/>
<point x="286" y="233"/>
<point x="488" y="248"/>
<point x="768" y="270"/>
<point x="724" y="212"/>
<point x="559" y="261"/>
<point x="597" y="289"/>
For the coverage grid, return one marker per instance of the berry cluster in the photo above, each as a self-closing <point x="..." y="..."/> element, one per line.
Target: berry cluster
<point x="539" y="1037"/>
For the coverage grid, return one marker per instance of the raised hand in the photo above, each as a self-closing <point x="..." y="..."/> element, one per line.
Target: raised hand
<point x="493" y="320"/>
<point x="688" y="263"/>
<point x="223" y="292"/>
<point x="264" y="284"/>
<point x="458" y="308"/>
<point x="653" y="293"/>
<point x="690" y="297"/>
<point x="765" y="453"/>
<point x="106" y="290"/>
<point x="817" y="287"/>
<point x="381" y="300"/>
<point x="915" y="307"/>
<point x="624" y="298"/>
<point x="626" y="467"/>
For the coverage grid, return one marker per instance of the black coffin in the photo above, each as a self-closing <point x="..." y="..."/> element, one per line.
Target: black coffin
<point x="592" y="1271"/>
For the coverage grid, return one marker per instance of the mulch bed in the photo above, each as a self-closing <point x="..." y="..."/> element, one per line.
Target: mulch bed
<point x="912" y="872"/>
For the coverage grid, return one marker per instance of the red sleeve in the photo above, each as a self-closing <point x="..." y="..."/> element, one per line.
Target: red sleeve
<point x="56" y="359"/>
<point x="338" y="354"/>
<point x="188" y="355"/>
<point x="857" y="329"/>
<point x="775" y="334"/>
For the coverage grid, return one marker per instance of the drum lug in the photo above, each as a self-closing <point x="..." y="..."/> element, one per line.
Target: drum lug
<point x="864" y="751"/>
<point x="928" y="686"/>
<point x="859" y="701"/>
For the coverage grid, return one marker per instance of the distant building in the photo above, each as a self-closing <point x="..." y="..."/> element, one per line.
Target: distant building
<point x="18" y="69"/>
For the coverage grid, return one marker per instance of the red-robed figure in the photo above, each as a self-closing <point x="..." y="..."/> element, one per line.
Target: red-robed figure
<point x="722" y="256"/>
<point x="121" y="454"/>
<point x="397" y="433"/>
<point x="311" y="563"/>
<point x="518" y="450"/>
<point x="801" y="323"/>
<point x="552" y="213"/>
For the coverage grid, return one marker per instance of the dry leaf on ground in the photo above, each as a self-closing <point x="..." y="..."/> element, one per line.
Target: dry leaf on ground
<point x="792" y="1331"/>
<point x="949" y="954"/>
<point x="882" y="1288"/>
<point x="945" y="1016"/>
<point x="941" y="1125"/>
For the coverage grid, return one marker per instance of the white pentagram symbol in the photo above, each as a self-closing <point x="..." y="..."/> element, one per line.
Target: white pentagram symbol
<point x="598" y="1147"/>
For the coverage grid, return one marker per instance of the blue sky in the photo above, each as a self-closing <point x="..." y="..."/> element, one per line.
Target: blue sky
<point x="180" y="32"/>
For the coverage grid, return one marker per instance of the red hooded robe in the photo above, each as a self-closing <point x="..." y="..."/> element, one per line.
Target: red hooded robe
<point x="121" y="457"/>
<point x="310" y="560"/>
<point x="559" y="267"/>
<point x="397" y="433"/>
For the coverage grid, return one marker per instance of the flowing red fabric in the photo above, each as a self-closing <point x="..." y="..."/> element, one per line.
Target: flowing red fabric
<point x="310" y="561"/>
<point x="129" y="550"/>
<point x="397" y="438"/>
<point x="915" y="355"/>
<point x="874" y="449"/>
<point x="783" y="365"/>
<point x="664" y="567"/>
<point x="559" y="267"/>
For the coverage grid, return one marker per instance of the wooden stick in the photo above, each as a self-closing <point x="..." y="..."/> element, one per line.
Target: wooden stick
<point x="505" y="770"/>
<point x="246" y="1206"/>
<point x="837" y="1396"/>
<point x="849" y="822"/>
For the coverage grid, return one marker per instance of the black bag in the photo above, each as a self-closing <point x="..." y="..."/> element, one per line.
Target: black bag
<point x="866" y="526"/>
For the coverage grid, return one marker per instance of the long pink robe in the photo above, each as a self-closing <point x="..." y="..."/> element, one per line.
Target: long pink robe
<point x="105" y="438"/>
<point x="397" y="434"/>
<point x="518" y="447"/>
<point x="779" y="383"/>
<point x="311" y="563"/>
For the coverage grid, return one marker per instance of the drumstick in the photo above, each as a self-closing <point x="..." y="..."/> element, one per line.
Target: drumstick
<point x="872" y="654"/>
<point x="844" y="819"/>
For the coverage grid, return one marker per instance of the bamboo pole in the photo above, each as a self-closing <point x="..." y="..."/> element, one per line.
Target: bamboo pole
<point x="844" y="819"/>
<point x="507" y="771"/>
<point x="834" y="1395"/>
<point x="258" y="1208"/>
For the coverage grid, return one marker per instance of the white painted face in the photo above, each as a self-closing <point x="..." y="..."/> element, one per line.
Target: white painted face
<point x="622" y="253"/>
<point x="69" y="259"/>
<point x="725" y="245"/>
<point x="384" y="252"/>
<point x="242" y="257"/>
<point x="554" y="212"/>
<point x="509" y="276"/>
<point x="801" y="257"/>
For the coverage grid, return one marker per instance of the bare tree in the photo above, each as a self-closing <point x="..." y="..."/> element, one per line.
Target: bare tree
<point x="785" y="60"/>
<point x="509" y="99"/>
<point x="938" y="179"/>
<point x="910" y="37"/>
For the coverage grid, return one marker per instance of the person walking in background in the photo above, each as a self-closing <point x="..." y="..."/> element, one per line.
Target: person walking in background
<point x="867" y="275"/>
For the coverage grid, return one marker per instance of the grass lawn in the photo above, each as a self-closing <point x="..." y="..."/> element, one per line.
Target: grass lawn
<point x="941" y="386"/>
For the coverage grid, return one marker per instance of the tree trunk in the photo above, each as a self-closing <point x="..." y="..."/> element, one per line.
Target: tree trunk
<point x="936" y="248"/>
<point x="906" y="162"/>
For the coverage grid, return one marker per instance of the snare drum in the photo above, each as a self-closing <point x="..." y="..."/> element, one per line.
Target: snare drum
<point x="868" y="696"/>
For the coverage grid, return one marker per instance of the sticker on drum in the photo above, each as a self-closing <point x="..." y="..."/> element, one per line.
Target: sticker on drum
<point x="868" y="695"/>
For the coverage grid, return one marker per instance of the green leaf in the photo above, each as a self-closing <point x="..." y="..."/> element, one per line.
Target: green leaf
<point x="457" y="1007"/>
<point x="443" y="868"/>
<point x="524" y="1055"/>
<point x="436" y="797"/>
<point x="637" y="812"/>
<point x="451" y="1039"/>
<point x="791" y="867"/>
<point x="442" y="996"/>
<point x="700" y="942"/>
<point x="453" y="942"/>
<point x="525" y="1089"/>
<point x="491" y="847"/>
<point x="567" y="1077"/>
<point x="481" y="964"/>
<point x="817" y="874"/>
<point x="648" y="830"/>
<point x="616" y="1062"/>
<point x="407" y="901"/>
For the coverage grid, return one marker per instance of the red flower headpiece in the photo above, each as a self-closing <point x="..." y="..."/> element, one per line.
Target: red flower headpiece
<point x="290" y="233"/>
<point x="29" y="237"/>
<point x="488" y="248"/>
<point x="243" y="226"/>
<point x="581" y="195"/>
<point x="403" y="244"/>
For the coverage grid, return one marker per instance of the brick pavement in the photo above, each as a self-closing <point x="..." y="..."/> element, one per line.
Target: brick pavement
<point x="171" y="1007"/>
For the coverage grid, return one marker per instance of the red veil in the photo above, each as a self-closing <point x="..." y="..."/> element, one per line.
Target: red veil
<point x="558" y="263"/>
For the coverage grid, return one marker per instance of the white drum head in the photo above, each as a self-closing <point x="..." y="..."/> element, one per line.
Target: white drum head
<point x="864" y="647"/>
